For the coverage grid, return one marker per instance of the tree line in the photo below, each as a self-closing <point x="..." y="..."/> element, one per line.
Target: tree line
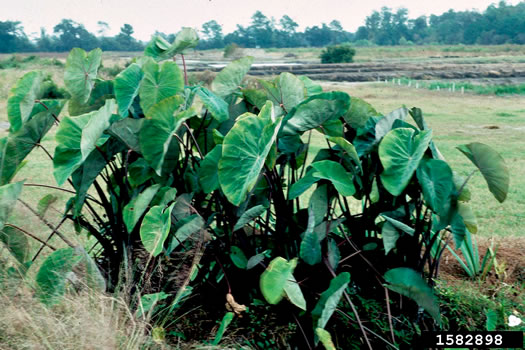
<point x="498" y="24"/>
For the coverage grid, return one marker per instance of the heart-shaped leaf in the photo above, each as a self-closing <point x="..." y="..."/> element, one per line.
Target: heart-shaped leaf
<point x="157" y="138"/>
<point x="81" y="72"/>
<point x="77" y="137"/>
<point x="314" y="111"/>
<point x="127" y="84"/>
<point x="22" y="99"/>
<point x="437" y="182"/>
<point x="159" y="82"/>
<point x="134" y="210"/>
<point x="275" y="278"/>
<point x="335" y="173"/>
<point x="15" y="147"/>
<point x="409" y="283"/>
<point x="400" y="152"/>
<point x="492" y="167"/>
<point x="155" y="229"/>
<point x="229" y="79"/>
<point x="244" y="152"/>
<point x="329" y="299"/>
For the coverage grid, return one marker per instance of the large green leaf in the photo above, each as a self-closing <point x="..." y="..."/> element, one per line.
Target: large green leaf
<point x="15" y="147"/>
<point x="409" y="283"/>
<point x="77" y="137"/>
<point x="387" y="123"/>
<point x="22" y="98"/>
<point x="400" y="152"/>
<point x="158" y="130"/>
<point x="159" y="82"/>
<point x="359" y="112"/>
<point x="275" y="277"/>
<point x="157" y="48"/>
<point x="213" y="103"/>
<point x="335" y="173"/>
<point x="229" y="79"/>
<point x="492" y="167"/>
<point x="17" y="244"/>
<point x="57" y="269"/>
<point x="389" y="235"/>
<point x="127" y="130"/>
<point x="316" y="110"/>
<point x="311" y="87"/>
<point x="329" y="299"/>
<point x="208" y="171"/>
<point x="127" y="85"/>
<point x="303" y="184"/>
<point x="8" y="196"/>
<point x="160" y="49"/>
<point x="134" y="210"/>
<point x="348" y="149"/>
<point x="250" y="215"/>
<point x="310" y="249"/>
<point x="81" y="72"/>
<point x="184" y="229"/>
<point x="286" y="92"/>
<point x="102" y="91"/>
<point x="187" y="38"/>
<point x="294" y="293"/>
<point x="155" y="228"/>
<point x="244" y="152"/>
<point x="436" y="180"/>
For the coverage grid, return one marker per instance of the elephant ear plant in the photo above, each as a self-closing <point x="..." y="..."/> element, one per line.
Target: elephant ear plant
<point x="275" y="194"/>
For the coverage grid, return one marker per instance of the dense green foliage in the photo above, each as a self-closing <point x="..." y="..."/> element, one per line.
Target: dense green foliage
<point x="338" y="54"/>
<point x="216" y="192"/>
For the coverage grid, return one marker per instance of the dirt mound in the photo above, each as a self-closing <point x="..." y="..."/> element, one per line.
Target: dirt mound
<point x="510" y="256"/>
<point x="374" y="71"/>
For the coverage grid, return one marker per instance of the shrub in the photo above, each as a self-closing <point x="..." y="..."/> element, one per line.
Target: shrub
<point x="224" y="200"/>
<point x="232" y="50"/>
<point x="338" y="54"/>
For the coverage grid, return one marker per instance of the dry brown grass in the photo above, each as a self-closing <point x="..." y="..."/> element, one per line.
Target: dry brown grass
<point x="87" y="320"/>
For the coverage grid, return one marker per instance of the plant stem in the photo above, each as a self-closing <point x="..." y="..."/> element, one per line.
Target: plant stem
<point x="185" y="70"/>
<point x="49" y="238"/>
<point x="32" y="236"/>
<point x="47" y="223"/>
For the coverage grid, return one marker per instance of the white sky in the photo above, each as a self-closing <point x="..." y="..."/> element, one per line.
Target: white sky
<point x="169" y="16"/>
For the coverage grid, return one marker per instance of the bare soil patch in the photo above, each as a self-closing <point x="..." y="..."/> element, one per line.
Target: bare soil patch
<point x="509" y="255"/>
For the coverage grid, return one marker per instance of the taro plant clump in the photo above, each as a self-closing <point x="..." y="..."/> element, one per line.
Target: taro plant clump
<point x="212" y="197"/>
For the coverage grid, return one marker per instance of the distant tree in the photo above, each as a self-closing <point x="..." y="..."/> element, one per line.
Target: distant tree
<point x="261" y="29"/>
<point x="45" y="42"/>
<point x="103" y="28"/>
<point x="125" y="39"/>
<point x="318" y="36"/>
<point x="13" y="38"/>
<point x="72" y="34"/>
<point x="212" y="36"/>
<point x="287" y="36"/>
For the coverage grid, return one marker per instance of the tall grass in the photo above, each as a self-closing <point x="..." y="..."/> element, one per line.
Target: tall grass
<point x="86" y="320"/>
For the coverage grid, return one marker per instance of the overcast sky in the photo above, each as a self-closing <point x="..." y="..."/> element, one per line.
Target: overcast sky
<point x="169" y="16"/>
